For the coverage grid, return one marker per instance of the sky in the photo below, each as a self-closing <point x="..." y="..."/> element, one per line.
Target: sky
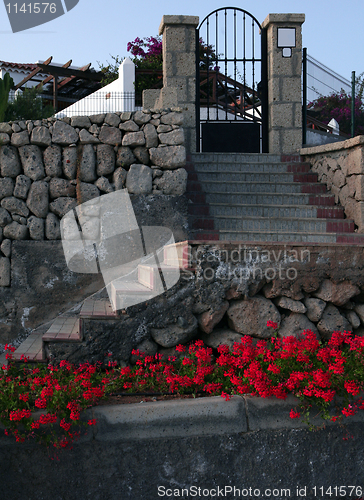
<point x="94" y="30"/>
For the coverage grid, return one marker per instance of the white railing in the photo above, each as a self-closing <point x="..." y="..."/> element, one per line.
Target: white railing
<point x="117" y="96"/>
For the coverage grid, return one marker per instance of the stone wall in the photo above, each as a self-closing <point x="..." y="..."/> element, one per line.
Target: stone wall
<point x="341" y="167"/>
<point x="234" y="291"/>
<point x="49" y="166"/>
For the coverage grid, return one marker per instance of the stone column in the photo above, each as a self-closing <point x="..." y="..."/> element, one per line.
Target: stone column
<point x="179" y="72"/>
<point x="284" y="38"/>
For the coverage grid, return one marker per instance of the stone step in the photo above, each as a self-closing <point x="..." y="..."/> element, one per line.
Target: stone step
<point x="254" y="177"/>
<point x="64" y="329"/>
<point x="32" y="348"/>
<point x="291" y="237"/>
<point x="240" y="157"/>
<point x="219" y="187"/>
<point x="265" y="198"/>
<point x="241" y="168"/>
<point x="282" y="224"/>
<point x="298" y="211"/>
<point x="97" y="309"/>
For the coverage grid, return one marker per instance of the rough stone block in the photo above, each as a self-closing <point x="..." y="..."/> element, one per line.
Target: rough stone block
<point x="139" y="179"/>
<point x="36" y="228"/>
<point x="32" y="160"/>
<point x="88" y="164"/>
<point x="110" y="135"/>
<point x="133" y="139"/>
<point x="52" y="227"/>
<point x="41" y="136"/>
<point x="64" y="134"/>
<point x="52" y="159"/>
<point x="6" y="187"/>
<point x="168" y="157"/>
<point x="69" y="164"/>
<point x="9" y="161"/>
<point x="20" y="138"/>
<point x="37" y="200"/>
<point x="105" y="159"/>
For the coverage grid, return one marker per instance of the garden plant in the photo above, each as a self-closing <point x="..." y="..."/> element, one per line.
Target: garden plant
<point x="45" y="402"/>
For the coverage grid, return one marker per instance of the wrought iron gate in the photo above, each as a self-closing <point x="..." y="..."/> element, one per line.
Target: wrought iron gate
<point x="231" y="86"/>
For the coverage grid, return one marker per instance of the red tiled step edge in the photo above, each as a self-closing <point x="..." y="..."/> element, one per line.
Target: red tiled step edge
<point x="327" y="200"/>
<point x="299" y="168"/>
<point x="305" y="177"/>
<point x="206" y="236"/>
<point x="313" y="188"/>
<point x="199" y="209"/>
<point x="342" y="226"/>
<point x="64" y="329"/>
<point x="354" y="238"/>
<point x="31" y="348"/>
<point x="291" y="158"/>
<point x="98" y="309"/>
<point x="330" y="213"/>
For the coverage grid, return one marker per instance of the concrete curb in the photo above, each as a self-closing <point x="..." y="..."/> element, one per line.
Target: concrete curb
<point x="209" y="416"/>
<point x="199" y="417"/>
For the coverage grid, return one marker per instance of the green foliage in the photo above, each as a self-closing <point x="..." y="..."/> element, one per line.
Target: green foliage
<point x="6" y="85"/>
<point x="110" y="71"/>
<point x="28" y="105"/>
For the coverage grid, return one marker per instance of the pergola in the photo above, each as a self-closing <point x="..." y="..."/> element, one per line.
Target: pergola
<point x="69" y="84"/>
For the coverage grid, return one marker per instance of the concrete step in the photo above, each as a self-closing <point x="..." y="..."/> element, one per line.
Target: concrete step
<point x="289" y="237"/>
<point x="252" y="236"/>
<point x="283" y="224"/>
<point x="241" y="168"/>
<point x="257" y="187"/>
<point x="291" y="211"/>
<point x="239" y="157"/>
<point x="254" y="177"/>
<point x="266" y="198"/>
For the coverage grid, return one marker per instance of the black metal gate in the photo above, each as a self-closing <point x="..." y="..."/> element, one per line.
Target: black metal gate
<point x="231" y="83"/>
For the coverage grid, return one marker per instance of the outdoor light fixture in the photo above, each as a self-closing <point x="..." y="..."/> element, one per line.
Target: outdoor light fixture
<point x="286" y="40"/>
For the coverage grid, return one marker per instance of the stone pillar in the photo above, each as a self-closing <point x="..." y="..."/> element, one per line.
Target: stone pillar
<point x="179" y="72"/>
<point x="284" y="38"/>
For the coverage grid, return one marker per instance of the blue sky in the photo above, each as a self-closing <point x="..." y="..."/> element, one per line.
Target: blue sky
<point x="94" y="29"/>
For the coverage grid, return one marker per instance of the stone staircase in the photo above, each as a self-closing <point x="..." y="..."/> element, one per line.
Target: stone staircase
<point x="70" y="327"/>
<point x="262" y="197"/>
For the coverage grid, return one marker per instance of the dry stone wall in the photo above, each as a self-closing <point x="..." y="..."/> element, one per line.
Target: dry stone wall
<point x="234" y="291"/>
<point x="49" y="166"/>
<point x="341" y="167"/>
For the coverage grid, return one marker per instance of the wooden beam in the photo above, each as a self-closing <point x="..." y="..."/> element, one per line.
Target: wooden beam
<point x="49" y="78"/>
<point x="37" y="70"/>
<point x="70" y="78"/>
<point x="57" y="71"/>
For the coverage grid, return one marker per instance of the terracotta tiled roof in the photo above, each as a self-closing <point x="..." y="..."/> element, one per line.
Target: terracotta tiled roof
<point x="19" y="66"/>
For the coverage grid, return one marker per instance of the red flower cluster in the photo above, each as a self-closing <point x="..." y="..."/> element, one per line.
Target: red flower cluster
<point x="313" y="372"/>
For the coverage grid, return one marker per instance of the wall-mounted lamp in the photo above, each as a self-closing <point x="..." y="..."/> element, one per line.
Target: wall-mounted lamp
<point x="286" y="40"/>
